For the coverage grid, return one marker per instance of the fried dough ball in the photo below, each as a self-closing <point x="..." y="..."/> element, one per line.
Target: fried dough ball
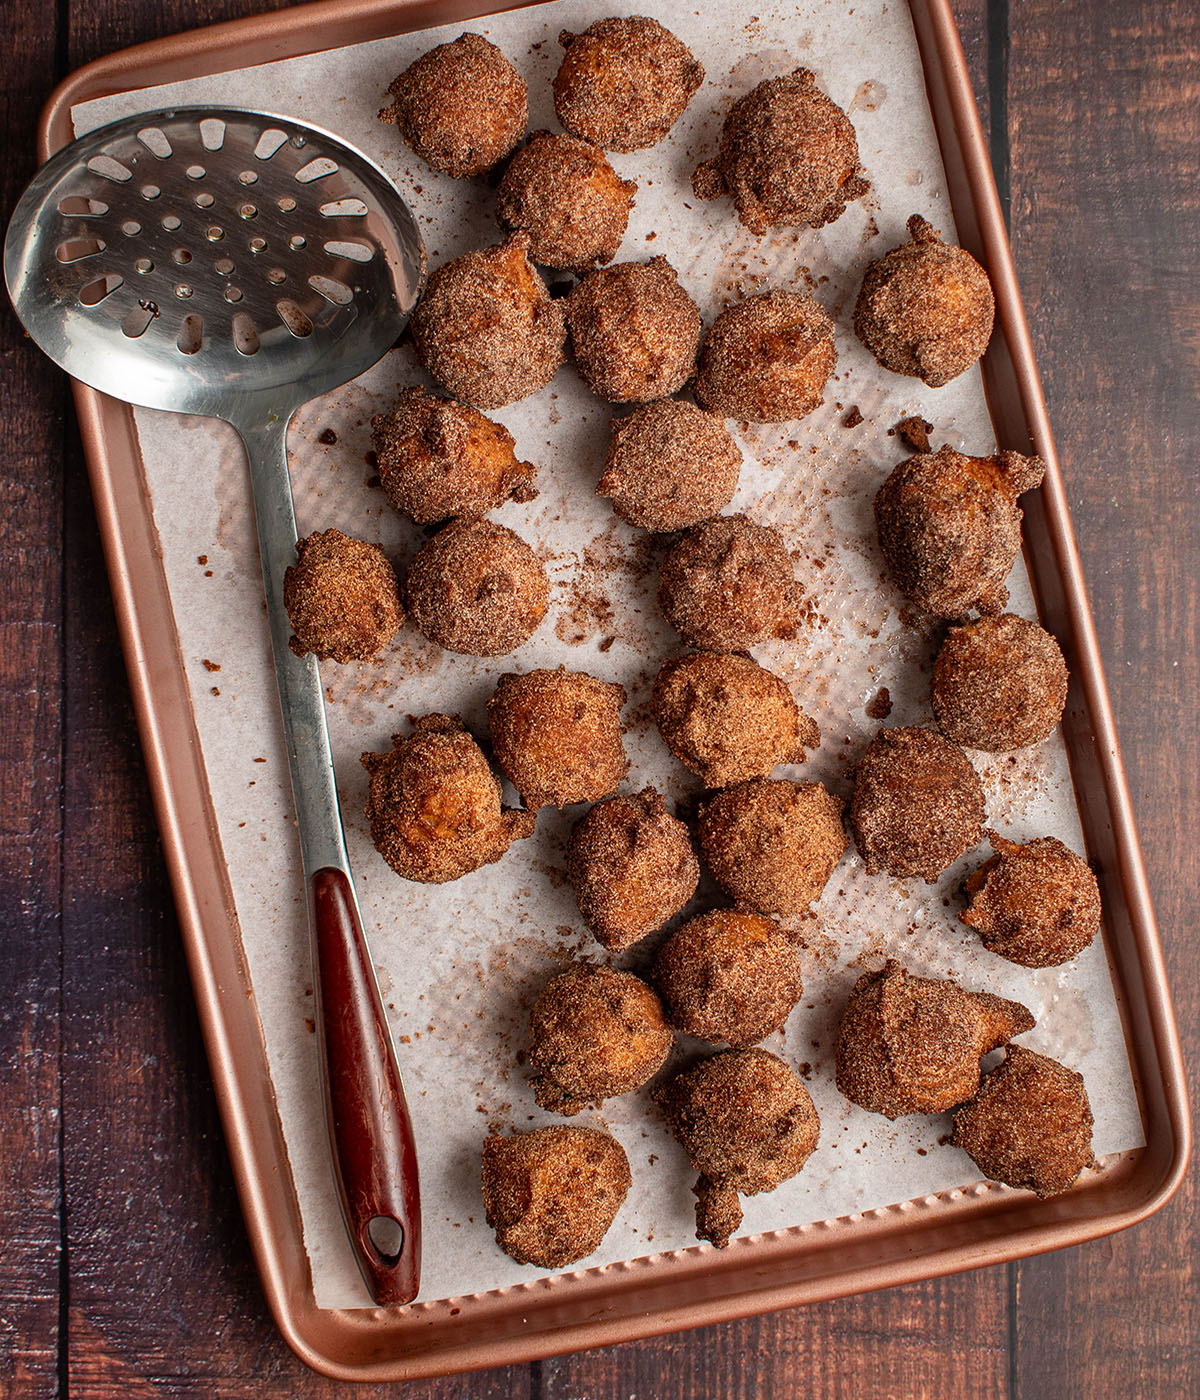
<point x="727" y="976"/>
<point x="461" y="107"/>
<point x="551" y="1194"/>
<point x="624" y="83"/>
<point x="557" y="736"/>
<point x="729" y="719"/>
<point x="999" y="683"/>
<point x="746" y="1123"/>
<point x="917" y="804"/>
<point x="477" y="588"/>
<point x="486" y="328"/>
<point x="950" y="527"/>
<point x="727" y="584"/>
<point x="434" y="804"/>
<point x="772" y="845"/>
<point x="341" y="598"/>
<point x="913" y="1044"/>
<point x="438" y="458"/>
<point x="632" y="867"/>
<point x="670" y="465"/>
<point x="788" y="155"/>
<point x="1036" y="904"/>
<point x="925" y="309"/>
<point x="563" y="192"/>
<point x="594" y="1033"/>
<point x="767" y="359"/>
<point x="1030" y="1125"/>
<point x="635" y="331"/>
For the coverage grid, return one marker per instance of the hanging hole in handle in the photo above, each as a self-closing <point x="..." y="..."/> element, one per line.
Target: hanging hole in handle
<point x="191" y="334"/>
<point x="155" y="141"/>
<point x="385" y="1236"/>
<point x="77" y="207"/>
<point x="212" y="133"/>
<point x="269" y="142"/>
<point x="111" y="169"/>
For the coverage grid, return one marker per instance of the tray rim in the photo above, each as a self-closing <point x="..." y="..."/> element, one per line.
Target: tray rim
<point x="981" y="1226"/>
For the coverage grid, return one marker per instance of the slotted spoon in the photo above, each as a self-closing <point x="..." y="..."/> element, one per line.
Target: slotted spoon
<point x="236" y="264"/>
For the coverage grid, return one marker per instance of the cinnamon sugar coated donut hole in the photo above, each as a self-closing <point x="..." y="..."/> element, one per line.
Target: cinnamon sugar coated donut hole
<point x="729" y="719"/>
<point x="551" y="1194"/>
<point x="998" y="684"/>
<point x="767" y="359"/>
<point x="1030" y="1125"/>
<point x="557" y="736"/>
<point x="772" y="845"/>
<point x="477" y="588"/>
<point x="728" y="976"/>
<point x="486" y="328"/>
<point x="632" y="867"/>
<point x="917" y="804"/>
<point x="1036" y="904"/>
<point x="727" y="584"/>
<point x="461" y="107"/>
<point x="595" y="1033"/>
<point x="563" y="192"/>
<point x="950" y="527"/>
<point x="341" y="598"/>
<point x="670" y="465"/>
<point x="624" y="83"/>
<point x="747" y="1124"/>
<point x="434" y="804"/>
<point x="925" y="309"/>
<point x="438" y="458"/>
<point x="634" y="330"/>
<point x="788" y="155"/>
<point x="913" y="1044"/>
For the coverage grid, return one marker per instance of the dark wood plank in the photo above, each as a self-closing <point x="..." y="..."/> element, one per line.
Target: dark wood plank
<point x="1106" y="229"/>
<point x="31" y="437"/>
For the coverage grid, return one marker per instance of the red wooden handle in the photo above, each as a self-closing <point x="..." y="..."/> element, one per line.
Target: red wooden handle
<point x="374" y="1153"/>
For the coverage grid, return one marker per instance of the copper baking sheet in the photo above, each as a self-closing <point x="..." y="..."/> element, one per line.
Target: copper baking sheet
<point x="935" y="1235"/>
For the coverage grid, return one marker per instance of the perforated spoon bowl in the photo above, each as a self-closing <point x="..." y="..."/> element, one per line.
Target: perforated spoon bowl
<point x="237" y="264"/>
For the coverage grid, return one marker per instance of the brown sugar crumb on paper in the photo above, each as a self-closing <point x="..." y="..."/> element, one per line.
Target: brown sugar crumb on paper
<point x="881" y="706"/>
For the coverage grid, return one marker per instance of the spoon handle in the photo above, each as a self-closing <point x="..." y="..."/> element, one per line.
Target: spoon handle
<point x="374" y="1154"/>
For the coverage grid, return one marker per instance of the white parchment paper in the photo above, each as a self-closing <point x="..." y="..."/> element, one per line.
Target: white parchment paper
<point x="460" y="964"/>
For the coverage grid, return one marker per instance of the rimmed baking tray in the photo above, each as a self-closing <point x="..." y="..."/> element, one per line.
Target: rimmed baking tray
<point x="917" y="1239"/>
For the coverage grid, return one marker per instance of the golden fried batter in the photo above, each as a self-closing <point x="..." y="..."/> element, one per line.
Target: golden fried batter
<point x="913" y="1044"/>
<point x="999" y="683"/>
<point x="635" y="331"/>
<point x="746" y="1123"/>
<point x="1030" y="1125"/>
<point x="950" y="527"/>
<point x="341" y="598"/>
<point x="434" y="804"/>
<point x="670" y="465"/>
<point x="727" y="584"/>
<point x="1036" y="904"/>
<point x="925" y="309"/>
<point x="788" y="155"/>
<point x="632" y="867"/>
<point x="461" y="107"/>
<point x="477" y="588"/>
<point x="772" y="845"/>
<point x="727" y="976"/>
<point x="438" y="458"/>
<point x="551" y="1194"/>
<point x="729" y="719"/>
<point x="767" y="359"/>
<point x="917" y="804"/>
<point x="624" y="83"/>
<point x="557" y="736"/>
<point x="486" y="328"/>
<point x="568" y="198"/>
<point x="594" y="1033"/>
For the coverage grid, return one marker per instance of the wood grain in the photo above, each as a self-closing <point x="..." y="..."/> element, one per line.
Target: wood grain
<point x="1095" y="106"/>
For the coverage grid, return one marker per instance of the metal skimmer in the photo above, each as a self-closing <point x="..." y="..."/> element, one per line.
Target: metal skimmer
<point x="235" y="264"/>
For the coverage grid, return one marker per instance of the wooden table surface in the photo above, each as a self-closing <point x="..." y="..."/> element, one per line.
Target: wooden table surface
<point x="124" y="1266"/>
